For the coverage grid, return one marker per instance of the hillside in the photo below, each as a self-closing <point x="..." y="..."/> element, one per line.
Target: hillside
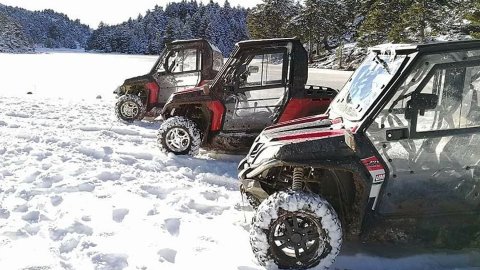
<point x="48" y="28"/>
<point x="338" y="33"/>
<point x="12" y="37"/>
<point x="221" y="25"/>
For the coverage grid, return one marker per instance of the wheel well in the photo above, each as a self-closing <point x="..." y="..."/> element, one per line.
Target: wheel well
<point x="138" y="90"/>
<point x="196" y="113"/>
<point x="344" y="190"/>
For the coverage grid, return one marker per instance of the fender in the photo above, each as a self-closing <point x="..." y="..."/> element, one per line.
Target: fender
<point x="217" y="109"/>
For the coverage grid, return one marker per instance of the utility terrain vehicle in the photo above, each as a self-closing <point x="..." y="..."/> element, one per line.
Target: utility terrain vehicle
<point x="183" y="64"/>
<point x="262" y="83"/>
<point x="395" y="158"/>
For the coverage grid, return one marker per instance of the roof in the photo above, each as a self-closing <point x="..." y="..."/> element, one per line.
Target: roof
<point x="188" y="41"/>
<point x="263" y="42"/>
<point x="202" y="41"/>
<point x="429" y="47"/>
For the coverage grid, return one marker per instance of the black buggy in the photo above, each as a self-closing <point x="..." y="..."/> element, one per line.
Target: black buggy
<point x="182" y="65"/>
<point x="395" y="158"/>
<point x="262" y="83"/>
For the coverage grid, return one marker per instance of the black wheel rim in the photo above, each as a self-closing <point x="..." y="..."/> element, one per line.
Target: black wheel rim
<point x="297" y="239"/>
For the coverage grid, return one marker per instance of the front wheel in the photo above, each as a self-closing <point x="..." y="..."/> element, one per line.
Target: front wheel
<point x="130" y="108"/>
<point x="179" y="135"/>
<point x="296" y="230"/>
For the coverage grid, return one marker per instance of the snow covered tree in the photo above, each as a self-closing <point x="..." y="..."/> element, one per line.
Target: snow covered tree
<point x="420" y="20"/>
<point x="324" y="20"/>
<point x="49" y="28"/>
<point x="223" y="26"/>
<point x="381" y="17"/>
<point x="271" y="18"/>
<point x="411" y="20"/>
<point x="173" y="30"/>
<point x="155" y="23"/>
<point x="12" y="36"/>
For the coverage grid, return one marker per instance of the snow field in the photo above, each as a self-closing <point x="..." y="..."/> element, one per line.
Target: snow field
<point x="69" y="74"/>
<point x="79" y="190"/>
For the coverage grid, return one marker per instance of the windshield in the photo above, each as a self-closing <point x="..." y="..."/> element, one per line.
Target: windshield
<point x="225" y="75"/>
<point x="159" y="65"/>
<point x="366" y="85"/>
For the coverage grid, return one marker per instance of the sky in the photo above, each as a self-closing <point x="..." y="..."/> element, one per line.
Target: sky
<point x="91" y="12"/>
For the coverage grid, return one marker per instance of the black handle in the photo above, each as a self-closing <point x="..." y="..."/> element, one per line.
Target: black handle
<point x="397" y="134"/>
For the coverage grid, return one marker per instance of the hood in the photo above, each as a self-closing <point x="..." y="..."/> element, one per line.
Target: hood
<point x="311" y="138"/>
<point x="139" y="79"/>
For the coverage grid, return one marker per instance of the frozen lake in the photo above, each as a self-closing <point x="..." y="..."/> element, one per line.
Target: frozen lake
<point x="86" y="75"/>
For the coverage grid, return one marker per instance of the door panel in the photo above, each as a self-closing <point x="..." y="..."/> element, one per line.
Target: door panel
<point x="260" y="92"/>
<point x="253" y="110"/>
<point x="436" y="169"/>
<point x="182" y="72"/>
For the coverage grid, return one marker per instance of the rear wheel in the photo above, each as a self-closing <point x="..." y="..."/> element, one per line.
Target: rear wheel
<point x="296" y="230"/>
<point x="130" y="108"/>
<point x="179" y="135"/>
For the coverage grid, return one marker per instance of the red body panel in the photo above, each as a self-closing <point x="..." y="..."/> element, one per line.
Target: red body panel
<point x="153" y="93"/>
<point x="301" y="107"/>
<point x="218" y="110"/>
<point x="298" y="121"/>
<point x="313" y="135"/>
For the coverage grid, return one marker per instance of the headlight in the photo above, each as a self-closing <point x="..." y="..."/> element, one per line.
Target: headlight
<point x="118" y="90"/>
<point x="266" y="154"/>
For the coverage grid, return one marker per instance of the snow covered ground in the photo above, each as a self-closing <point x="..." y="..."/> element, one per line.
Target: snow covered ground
<point x="79" y="190"/>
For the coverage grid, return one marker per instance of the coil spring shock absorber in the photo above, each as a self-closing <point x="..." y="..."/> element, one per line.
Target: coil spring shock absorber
<point x="297" y="182"/>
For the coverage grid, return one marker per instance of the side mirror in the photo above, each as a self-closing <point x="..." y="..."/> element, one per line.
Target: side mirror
<point x="419" y="103"/>
<point x="253" y="69"/>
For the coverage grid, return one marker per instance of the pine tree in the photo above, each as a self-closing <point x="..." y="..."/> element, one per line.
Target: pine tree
<point x="382" y="17"/>
<point x="324" y="20"/>
<point x="411" y="20"/>
<point x="186" y="31"/>
<point x="173" y="30"/>
<point x="271" y="18"/>
<point x="420" y="20"/>
<point x="223" y="26"/>
<point x="12" y="36"/>
<point x="49" y="28"/>
<point x="474" y="17"/>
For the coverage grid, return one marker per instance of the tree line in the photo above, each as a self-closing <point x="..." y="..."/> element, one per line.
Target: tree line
<point x="47" y="28"/>
<point x="328" y="23"/>
<point x="322" y="24"/>
<point x="222" y="25"/>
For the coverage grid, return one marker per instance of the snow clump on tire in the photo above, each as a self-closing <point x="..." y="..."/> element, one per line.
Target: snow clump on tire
<point x="291" y="201"/>
<point x="141" y="109"/>
<point x="185" y="124"/>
